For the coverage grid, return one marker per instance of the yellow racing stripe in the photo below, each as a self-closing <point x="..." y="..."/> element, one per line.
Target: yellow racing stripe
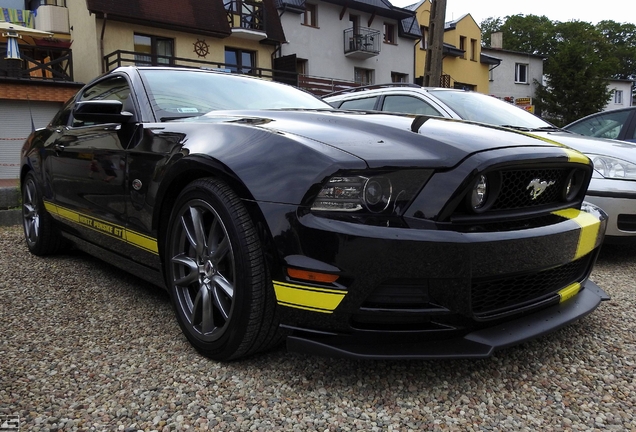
<point x="590" y="226"/>
<point x="573" y="155"/>
<point x="308" y="298"/>
<point x="569" y="291"/>
<point x="119" y="232"/>
<point x="577" y="157"/>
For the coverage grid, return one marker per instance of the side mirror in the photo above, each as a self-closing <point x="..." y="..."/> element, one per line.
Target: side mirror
<point x="101" y="111"/>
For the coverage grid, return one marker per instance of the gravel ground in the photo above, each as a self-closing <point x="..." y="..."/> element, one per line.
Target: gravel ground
<point x="87" y="347"/>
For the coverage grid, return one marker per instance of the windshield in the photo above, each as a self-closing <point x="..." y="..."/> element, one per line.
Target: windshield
<point x="189" y="93"/>
<point x="487" y="109"/>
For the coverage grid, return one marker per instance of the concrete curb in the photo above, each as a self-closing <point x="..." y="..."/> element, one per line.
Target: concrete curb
<point x="10" y="217"/>
<point x="10" y="213"/>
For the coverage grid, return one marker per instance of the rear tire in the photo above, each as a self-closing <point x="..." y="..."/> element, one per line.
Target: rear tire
<point x="216" y="274"/>
<point x="41" y="234"/>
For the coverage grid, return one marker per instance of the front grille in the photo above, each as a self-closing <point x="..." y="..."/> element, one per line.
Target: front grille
<point x="492" y="298"/>
<point x="626" y="222"/>
<point x="516" y="191"/>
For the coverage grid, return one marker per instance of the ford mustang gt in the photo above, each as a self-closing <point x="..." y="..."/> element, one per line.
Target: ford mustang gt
<point x="270" y="216"/>
<point x="613" y="184"/>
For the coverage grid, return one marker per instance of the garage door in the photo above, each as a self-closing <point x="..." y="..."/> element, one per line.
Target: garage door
<point x="15" y="127"/>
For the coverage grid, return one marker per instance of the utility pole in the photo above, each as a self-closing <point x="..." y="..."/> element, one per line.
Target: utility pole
<point x="434" y="53"/>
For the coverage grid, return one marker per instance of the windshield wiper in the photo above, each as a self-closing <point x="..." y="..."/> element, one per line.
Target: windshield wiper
<point x="165" y="119"/>
<point x="519" y="128"/>
<point x="535" y="129"/>
<point x="549" y="129"/>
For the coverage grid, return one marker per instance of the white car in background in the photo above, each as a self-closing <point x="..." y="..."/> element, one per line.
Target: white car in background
<point x="613" y="186"/>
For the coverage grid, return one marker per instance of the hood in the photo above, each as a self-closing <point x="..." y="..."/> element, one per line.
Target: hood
<point x="383" y="139"/>
<point x="589" y="145"/>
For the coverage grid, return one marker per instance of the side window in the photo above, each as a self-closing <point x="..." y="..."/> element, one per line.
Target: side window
<point x="114" y="88"/>
<point x="603" y="126"/>
<point x="408" y="105"/>
<point x="63" y="115"/>
<point x="359" y="104"/>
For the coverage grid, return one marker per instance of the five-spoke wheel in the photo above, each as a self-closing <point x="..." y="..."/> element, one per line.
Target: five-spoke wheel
<point x="216" y="273"/>
<point x="41" y="234"/>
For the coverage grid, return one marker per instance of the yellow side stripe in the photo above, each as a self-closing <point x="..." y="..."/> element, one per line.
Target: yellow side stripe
<point x="308" y="298"/>
<point x="590" y="226"/>
<point x="107" y="228"/>
<point x="569" y="291"/>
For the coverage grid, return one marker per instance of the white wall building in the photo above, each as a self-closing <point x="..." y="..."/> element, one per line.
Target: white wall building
<point x="366" y="41"/>
<point x="516" y="76"/>
<point x="621" y="94"/>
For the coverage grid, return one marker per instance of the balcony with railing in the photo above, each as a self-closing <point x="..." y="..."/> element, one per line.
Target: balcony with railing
<point x="319" y="86"/>
<point x="246" y="19"/>
<point x="362" y="42"/>
<point x="38" y="63"/>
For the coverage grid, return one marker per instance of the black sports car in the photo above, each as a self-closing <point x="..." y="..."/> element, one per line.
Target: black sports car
<point x="267" y="215"/>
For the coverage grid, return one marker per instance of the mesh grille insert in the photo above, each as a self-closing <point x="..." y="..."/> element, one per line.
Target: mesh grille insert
<point x="495" y="296"/>
<point x="517" y="192"/>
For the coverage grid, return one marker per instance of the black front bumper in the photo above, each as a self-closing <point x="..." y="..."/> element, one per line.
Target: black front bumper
<point x="476" y="344"/>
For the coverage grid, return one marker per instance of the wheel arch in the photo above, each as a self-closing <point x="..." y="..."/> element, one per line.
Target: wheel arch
<point x="195" y="167"/>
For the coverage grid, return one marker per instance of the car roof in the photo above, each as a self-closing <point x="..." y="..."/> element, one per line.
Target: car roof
<point x="384" y="88"/>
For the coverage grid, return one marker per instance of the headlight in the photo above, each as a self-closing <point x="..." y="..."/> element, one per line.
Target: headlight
<point x="610" y="167"/>
<point x="479" y="193"/>
<point x="376" y="193"/>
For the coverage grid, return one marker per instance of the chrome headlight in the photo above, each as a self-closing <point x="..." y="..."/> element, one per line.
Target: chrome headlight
<point x="370" y="192"/>
<point x="614" y="168"/>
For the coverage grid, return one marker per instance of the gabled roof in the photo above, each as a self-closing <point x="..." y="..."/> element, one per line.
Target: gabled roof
<point x="410" y="28"/>
<point x="296" y="6"/>
<point x="379" y="7"/>
<point x="202" y="17"/>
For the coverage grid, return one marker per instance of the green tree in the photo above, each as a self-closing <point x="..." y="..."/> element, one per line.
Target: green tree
<point x="580" y="59"/>
<point x="523" y="33"/>
<point x="620" y="50"/>
<point x="577" y="76"/>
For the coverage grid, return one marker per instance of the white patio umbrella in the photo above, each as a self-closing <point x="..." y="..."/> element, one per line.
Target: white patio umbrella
<point x="7" y="27"/>
<point x="13" y="52"/>
<point x="13" y="33"/>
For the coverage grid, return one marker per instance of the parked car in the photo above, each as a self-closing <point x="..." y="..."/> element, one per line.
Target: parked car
<point x="613" y="186"/>
<point x="617" y="124"/>
<point x="267" y="214"/>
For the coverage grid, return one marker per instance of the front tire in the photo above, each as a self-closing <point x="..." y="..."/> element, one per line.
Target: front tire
<point x="41" y="234"/>
<point x="216" y="273"/>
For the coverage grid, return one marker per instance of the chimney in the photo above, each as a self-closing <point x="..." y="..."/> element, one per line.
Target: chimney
<point x="496" y="40"/>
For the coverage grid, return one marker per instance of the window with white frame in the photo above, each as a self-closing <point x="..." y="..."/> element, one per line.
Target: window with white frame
<point x="618" y="97"/>
<point x="521" y="73"/>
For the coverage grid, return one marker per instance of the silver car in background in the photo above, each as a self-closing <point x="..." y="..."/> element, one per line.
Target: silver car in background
<point x="613" y="186"/>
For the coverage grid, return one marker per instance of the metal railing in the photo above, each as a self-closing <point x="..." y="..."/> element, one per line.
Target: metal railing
<point x="362" y="39"/>
<point x="316" y="85"/>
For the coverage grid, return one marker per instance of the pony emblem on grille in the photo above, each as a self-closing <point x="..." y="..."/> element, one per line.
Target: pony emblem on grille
<point x="538" y="186"/>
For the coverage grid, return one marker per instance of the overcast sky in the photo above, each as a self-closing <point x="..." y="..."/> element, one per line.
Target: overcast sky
<point x="622" y="11"/>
